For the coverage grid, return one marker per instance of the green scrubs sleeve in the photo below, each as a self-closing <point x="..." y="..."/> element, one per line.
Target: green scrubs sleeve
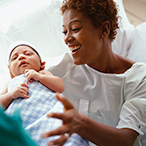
<point x="11" y="131"/>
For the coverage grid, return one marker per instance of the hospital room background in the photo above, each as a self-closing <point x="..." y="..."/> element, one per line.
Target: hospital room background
<point x="39" y="22"/>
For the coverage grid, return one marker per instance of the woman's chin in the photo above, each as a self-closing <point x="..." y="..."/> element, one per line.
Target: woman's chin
<point x="77" y="62"/>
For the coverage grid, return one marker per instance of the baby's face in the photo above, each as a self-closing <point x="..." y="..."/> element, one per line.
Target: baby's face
<point x="23" y="57"/>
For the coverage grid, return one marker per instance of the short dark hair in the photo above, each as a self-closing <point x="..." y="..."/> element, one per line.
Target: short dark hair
<point x="97" y="11"/>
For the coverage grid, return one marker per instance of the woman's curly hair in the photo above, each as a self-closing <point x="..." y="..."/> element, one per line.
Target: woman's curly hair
<point x="97" y="11"/>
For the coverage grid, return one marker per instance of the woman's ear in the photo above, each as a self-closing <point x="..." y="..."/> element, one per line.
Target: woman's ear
<point x="42" y="67"/>
<point x="105" y="28"/>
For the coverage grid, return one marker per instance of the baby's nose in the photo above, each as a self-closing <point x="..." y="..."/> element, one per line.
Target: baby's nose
<point x="21" y="56"/>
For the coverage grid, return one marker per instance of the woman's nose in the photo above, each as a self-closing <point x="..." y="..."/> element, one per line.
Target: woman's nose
<point x="68" y="38"/>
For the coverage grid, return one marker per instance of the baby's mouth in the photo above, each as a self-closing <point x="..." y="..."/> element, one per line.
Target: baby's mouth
<point x="74" y="49"/>
<point x="23" y="63"/>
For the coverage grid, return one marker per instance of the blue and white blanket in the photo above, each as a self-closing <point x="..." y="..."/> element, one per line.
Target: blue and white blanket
<point x="34" y="109"/>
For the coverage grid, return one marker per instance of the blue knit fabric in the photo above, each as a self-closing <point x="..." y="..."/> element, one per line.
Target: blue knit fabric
<point x="33" y="112"/>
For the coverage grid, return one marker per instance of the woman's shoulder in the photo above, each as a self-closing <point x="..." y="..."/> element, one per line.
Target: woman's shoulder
<point x="135" y="81"/>
<point x="135" y="76"/>
<point x="138" y="68"/>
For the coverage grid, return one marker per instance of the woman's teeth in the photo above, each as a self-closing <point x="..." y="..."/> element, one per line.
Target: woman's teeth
<point x="73" y="49"/>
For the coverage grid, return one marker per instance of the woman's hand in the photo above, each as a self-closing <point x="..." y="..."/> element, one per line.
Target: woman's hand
<point x="20" y="91"/>
<point x="72" y="122"/>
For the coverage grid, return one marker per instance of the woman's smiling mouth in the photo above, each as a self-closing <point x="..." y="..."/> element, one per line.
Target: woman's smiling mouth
<point x="75" y="48"/>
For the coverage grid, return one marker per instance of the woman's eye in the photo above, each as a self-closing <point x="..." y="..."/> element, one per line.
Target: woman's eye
<point x="75" y="29"/>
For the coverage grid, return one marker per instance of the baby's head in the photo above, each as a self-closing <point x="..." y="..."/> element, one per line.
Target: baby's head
<point x="23" y="56"/>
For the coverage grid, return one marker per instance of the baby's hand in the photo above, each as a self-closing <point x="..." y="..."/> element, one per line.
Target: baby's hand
<point x="45" y="72"/>
<point x="31" y="74"/>
<point x="20" y="91"/>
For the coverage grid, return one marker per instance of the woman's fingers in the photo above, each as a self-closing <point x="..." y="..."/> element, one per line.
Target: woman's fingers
<point x="67" y="104"/>
<point x="59" y="131"/>
<point x="62" y="131"/>
<point x="66" y="129"/>
<point x="59" y="142"/>
<point x="60" y="116"/>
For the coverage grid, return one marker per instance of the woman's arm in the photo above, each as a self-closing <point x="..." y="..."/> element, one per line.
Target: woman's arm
<point x="104" y="135"/>
<point x="52" y="82"/>
<point x="100" y="134"/>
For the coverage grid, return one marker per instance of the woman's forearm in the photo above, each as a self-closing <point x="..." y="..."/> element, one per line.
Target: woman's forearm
<point x="104" y="135"/>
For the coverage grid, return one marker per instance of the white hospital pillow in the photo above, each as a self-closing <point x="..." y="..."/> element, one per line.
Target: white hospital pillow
<point x="125" y="33"/>
<point x="137" y="50"/>
<point x="35" y="21"/>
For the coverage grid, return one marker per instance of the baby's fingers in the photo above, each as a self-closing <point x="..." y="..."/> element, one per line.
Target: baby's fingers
<point x="28" y="77"/>
<point x="24" y="95"/>
<point x="27" y="70"/>
<point x="24" y="85"/>
<point x="24" y="90"/>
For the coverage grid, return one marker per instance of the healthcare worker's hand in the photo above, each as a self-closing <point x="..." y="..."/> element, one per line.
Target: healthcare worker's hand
<point x="72" y="121"/>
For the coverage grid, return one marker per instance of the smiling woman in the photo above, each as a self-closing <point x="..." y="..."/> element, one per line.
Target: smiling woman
<point x="76" y="32"/>
<point x="103" y="84"/>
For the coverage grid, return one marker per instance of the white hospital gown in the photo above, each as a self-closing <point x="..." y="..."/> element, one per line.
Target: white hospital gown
<point x="117" y="100"/>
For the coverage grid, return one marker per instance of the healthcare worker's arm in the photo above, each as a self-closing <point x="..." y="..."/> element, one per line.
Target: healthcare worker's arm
<point x="12" y="132"/>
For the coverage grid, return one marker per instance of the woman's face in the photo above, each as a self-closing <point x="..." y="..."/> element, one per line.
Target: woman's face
<point x="23" y="57"/>
<point x="82" y="38"/>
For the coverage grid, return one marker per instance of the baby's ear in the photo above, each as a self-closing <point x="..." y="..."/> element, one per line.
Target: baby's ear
<point x="42" y="67"/>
